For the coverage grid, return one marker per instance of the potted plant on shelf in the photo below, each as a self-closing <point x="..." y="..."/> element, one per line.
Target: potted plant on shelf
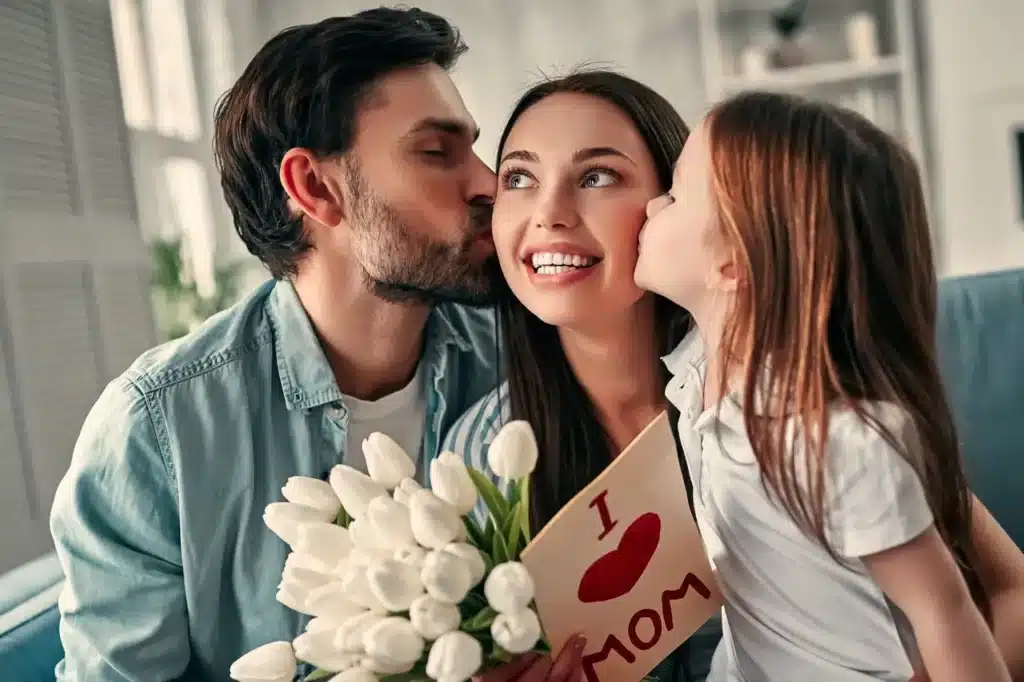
<point x="788" y="21"/>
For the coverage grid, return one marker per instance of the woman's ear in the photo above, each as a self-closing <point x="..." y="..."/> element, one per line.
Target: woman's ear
<point x="312" y="190"/>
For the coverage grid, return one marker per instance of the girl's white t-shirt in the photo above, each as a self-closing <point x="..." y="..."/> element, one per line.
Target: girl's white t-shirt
<point x="792" y="612"/>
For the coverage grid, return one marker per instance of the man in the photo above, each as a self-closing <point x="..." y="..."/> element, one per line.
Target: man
<point x="346" y="158"/>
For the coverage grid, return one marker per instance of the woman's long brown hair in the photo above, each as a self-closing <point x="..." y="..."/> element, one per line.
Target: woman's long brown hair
<point x="837" y="298"/>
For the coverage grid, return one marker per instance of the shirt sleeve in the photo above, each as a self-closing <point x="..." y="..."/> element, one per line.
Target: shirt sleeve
<point x="471" y="435"/>
<point x="115" y="526"/>
<point x="876" y="500"/>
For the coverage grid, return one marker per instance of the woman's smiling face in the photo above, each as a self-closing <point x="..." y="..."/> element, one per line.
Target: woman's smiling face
<point x="574" y="179"/>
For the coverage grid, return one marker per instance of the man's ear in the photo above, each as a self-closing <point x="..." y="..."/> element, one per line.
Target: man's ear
<point x="311" y="189"/>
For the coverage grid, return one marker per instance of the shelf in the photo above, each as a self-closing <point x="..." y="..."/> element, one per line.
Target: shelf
<point x="813" y="75"/>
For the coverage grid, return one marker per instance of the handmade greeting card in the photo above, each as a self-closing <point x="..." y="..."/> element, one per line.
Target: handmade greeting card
<point x="623" y="564"/>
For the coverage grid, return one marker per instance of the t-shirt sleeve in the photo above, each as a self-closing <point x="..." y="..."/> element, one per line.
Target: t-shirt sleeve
<point x="875" y="499"/>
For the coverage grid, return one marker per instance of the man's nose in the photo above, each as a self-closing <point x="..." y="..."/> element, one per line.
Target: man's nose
<point x="483" y="183"/>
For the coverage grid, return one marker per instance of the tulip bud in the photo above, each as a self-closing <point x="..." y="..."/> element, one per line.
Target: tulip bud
<point x="302" y="579"/>
<point x="389" y="523"/>
<point x="393" y="642"/>
<point x="509" y="587"/>
<point x="434" y="522"/>
<point x="516" y="632"/>
<point x="273" y="662"/>
<point x="433" y="618"/>
<point x="313" y="493"/>
<point x="474" y="561"/>
<point x="319" y="649"/>
<point x="356" y="586"/>
<point x="450" y="481"/>
<point x="446" y="577"/>
<point x="386" y="668"/>
<point x="454" y="656"/>
<point x="284" y="519"/>
<point x="394" y="584"/>
<point x="405" y="490"/>
<point x="292" y="597"/>
<point x="331" y="602"/>
<point x="411" y="555"/>
<point x="349" y="637"/>
<point x="355" y="675"/>
<point x="355" y="489"/>
<point x="325" y="544"/>
<point x="386" y="461"/>
<point x="512" y="454"/>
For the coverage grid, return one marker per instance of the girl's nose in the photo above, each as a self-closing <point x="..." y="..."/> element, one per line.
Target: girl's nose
<point x="655" y="205"/>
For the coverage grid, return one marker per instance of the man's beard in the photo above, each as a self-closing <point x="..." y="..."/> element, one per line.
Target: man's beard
<point x="410" y="267"/>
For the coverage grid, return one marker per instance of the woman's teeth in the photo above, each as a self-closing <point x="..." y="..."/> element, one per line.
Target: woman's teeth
<point x="548" y="263"/>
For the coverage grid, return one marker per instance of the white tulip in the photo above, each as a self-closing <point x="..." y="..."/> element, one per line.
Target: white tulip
<point x="454" y="656"/>
<point x="355" y="489"/>
<point x="450" y="481"/>
<point x="513" y="452"/>
<point x="355" y="675"/>
<point x="474" y="560"/>
<point x="325" y="623"/>
<point x="302" y="560"/>
<point x="394" y="584"/>
<point x="292" y="597"/>
<point x="433" y="618"/>
<point x="324" y="544"/>
<point x="367" y="556"/>
<point x="302" y="579"/>
<point x="349" y="637"/>
<point x="509" y="587"/>
<point x="314" y="493"/>
<point x="516" y="632"/>
<point x="435" y="523"/>
<point x="412" y="555"/>
<point x="405" y="490"/>
<point x="319" y="648"/>
<point x="393" y="642"/>
<point x="284" y="519"/>
<point x="388" y="522"/>
<point x="446" y="577"/>
<point x="332" y="603"/>
<point x="273" y="662"/>
<point x="380" y="667"/>
<point x="386" y="461"/>
<point x="356" y="586"/>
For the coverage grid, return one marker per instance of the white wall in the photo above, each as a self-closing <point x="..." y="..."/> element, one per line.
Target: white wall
<point x="975" y="61"/>
<point x="511" y="42"/>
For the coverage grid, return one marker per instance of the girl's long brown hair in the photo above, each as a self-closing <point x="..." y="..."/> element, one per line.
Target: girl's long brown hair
<point x="837" y="298"/>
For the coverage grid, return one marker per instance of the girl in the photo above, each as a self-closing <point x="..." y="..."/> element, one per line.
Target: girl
<point x="827" y="479"/>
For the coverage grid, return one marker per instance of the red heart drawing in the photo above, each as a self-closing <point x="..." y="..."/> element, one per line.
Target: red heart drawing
<point x="618" y="571"/>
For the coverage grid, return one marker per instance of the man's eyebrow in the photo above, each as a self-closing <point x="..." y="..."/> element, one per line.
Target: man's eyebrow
<point x="450" y="126"/>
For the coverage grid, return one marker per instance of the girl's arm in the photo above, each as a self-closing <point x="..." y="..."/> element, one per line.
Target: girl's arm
<point x="921" y="577"/>
<point x="1001" y="568"/>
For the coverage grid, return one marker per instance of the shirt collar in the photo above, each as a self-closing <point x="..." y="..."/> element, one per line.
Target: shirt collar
<point x="306" y="377"/>
<point x="688" y="354"/>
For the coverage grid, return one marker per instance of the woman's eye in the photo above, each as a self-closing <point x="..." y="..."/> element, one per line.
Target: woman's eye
<point x="599" y="179"/>
<point x="518" y="181"/>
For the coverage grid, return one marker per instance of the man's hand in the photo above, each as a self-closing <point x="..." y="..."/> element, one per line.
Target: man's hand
<point x="568" y="667"/>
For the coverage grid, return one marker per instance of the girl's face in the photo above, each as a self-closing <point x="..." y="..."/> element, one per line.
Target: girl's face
<point x="683" y="252"/>
<point x="574" y="180"/>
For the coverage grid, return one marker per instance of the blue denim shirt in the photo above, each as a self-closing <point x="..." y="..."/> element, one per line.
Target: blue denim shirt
<point x="158" y="523"/>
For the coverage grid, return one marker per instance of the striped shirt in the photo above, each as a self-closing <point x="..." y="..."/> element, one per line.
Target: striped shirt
<point x="471" y="436"/>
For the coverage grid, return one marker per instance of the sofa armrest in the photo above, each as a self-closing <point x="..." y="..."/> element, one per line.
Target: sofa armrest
<point x="30" y="645"/>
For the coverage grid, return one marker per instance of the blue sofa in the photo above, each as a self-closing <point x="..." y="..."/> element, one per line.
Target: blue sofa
<point x="981" y="346"/>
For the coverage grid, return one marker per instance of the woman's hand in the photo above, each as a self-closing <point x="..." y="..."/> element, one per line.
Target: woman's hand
<point x="568" y="667"/>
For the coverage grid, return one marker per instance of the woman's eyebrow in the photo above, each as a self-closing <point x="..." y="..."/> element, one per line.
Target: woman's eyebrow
<point x="595" y="152"/>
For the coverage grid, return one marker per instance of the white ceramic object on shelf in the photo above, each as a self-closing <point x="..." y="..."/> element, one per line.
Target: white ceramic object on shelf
<point x="862" y="37"/>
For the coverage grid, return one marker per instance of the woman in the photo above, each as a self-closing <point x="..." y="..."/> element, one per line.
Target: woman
<point x="578" y="161"/>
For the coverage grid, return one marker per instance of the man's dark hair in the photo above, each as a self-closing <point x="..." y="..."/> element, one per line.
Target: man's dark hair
<point x="304" y="89"/>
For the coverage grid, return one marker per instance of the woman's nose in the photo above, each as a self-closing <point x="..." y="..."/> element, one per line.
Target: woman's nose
<point x="555" y="210"/>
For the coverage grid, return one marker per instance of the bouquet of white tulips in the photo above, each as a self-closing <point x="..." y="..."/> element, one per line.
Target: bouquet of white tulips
<point x="402" y="582"/>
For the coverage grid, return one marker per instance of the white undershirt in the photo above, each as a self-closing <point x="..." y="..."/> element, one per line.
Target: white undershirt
<point x="400" y="415"/>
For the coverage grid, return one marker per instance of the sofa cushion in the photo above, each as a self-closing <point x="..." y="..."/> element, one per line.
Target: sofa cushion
<point x="31" y="651"/>
<point x="981" y="351"/>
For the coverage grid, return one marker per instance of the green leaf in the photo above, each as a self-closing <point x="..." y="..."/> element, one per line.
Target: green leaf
<point x="524" y="499"/>
<point x="499" y="552"/>
<point x="480" y="621"/>
<point x="318" y="675"/>
<point x="496" y="503"/>
<point x="513" y="493"/>
<point x="475" y="534"/>
<point x="343" y="519"/>
<point x="488" y="534"/>
<point x="515" y="532"/>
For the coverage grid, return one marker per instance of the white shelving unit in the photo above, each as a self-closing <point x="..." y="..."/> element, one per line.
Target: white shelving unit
<point x="884" y="88"/>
